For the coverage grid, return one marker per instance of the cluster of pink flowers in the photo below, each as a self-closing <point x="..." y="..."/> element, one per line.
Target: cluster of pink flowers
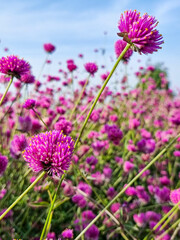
<point x="124" y="132"/>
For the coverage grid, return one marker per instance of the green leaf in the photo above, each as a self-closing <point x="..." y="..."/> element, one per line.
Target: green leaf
<point x="39" y="204"/>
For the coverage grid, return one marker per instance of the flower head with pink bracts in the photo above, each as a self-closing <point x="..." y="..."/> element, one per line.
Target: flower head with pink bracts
<point x="67" y="234"/>
<point x="27" y="78"/>
<point x="3" y="163"/>
<point x="91" y="68"/>
<point x="50" y="151"/>
<point x="49" y="48"/>
<point x="29" y="104"/>
<point x="175" y="196"/>
<point x="119" y="47"/>
<point x="140" y="31"/>
<point x="13" y="66"/>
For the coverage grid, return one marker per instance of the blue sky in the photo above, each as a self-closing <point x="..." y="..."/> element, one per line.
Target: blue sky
<point x="77" y="26"/>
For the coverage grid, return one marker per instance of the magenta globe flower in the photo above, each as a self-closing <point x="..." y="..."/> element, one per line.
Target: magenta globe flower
<point x="12" y="65"/>
<point x="27" y="78"/>
<point x="175" y="196"/>
<point x="64" y="126"/>
<point x="119" y="47"/>
<point x="91" y="68"/>
<point x="29" y="104"/>
<point x="67" y="234"/>
<point x="3" y="163"/>
<point x="140" y="31"/>
<point x="49" y="48"/>
<point x="71" y="65"/>
<point x="50" y="151"/>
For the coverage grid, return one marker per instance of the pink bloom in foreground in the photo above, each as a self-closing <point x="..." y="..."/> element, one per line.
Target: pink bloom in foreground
<point x="50" y="151"/>
<point x="12" y="65"/>
<point x="140" y="31"/>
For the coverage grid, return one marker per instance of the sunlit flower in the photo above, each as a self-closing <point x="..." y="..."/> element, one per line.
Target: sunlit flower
<point x="140" y="31"/>
<point x="12" y="65"/>
<point x="50" y="151"/>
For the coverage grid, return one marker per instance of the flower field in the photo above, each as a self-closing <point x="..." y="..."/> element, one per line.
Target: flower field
<point x="85" y="161"/>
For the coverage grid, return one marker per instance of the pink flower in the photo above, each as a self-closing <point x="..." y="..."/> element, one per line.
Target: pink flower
<point x="119" y="47"/>
<point x="49" y="151"/>
<point x="128" y="166"/>
<point x="91" y="68"/>
<point x="29" y="104"/>
<point x="140" y="31"/>
<point x="49" y="48"/>
<point x="12" y="65"/>
<point x="175" y="196"/>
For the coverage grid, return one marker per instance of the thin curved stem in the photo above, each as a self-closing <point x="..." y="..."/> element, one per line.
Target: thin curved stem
<point x="172" y="211"/>
<point x="79" y="99"/>
<point x="42" y="68"/>
<point x="40" y="118"/>
<point x="22" y="195"/>
<point x="4" y="95"/>
<point x="100" y="92"/>
<point x="49" y="216"/>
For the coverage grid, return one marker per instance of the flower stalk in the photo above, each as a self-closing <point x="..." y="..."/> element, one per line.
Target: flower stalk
<point x="22" y="195"/>
<point x="4" y="95"/>
<point x="49" y="216"/>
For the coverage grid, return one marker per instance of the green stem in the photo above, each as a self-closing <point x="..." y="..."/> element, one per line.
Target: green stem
<point x="15" y="187"/>
<point x="22" y="195"/>
<point x="128" y="185"/>
<point x="18" y="95"/>
<point x="82" y="113"/>
<point x="79" y="99"/>
<point x="4" y="95"/>
<point x="174" y="209"/>
<point x="40" y="118"/>
<point x="100" y="92"/>
<point x="47" y="222"/>
<point x="169" y="229"/>
<point x="169" y="219"/>
<point x="43" y="66"/>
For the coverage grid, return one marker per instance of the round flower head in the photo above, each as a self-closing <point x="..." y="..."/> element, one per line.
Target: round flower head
<point x="12" y="65"/>
<point x="50" y="151"/>
<point x="140" y="32"/>
<point x="67" y="234"/>
<point x="49" y="48"/>
<point x="27" y="78"/>
<point x="3" y="163"/>
<point x="175" y="196"/>
<point x="71" y="65"/>
<point x="119" y="47"/>
<point x="29" y="104"/>
<point x="91" y="68"/>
